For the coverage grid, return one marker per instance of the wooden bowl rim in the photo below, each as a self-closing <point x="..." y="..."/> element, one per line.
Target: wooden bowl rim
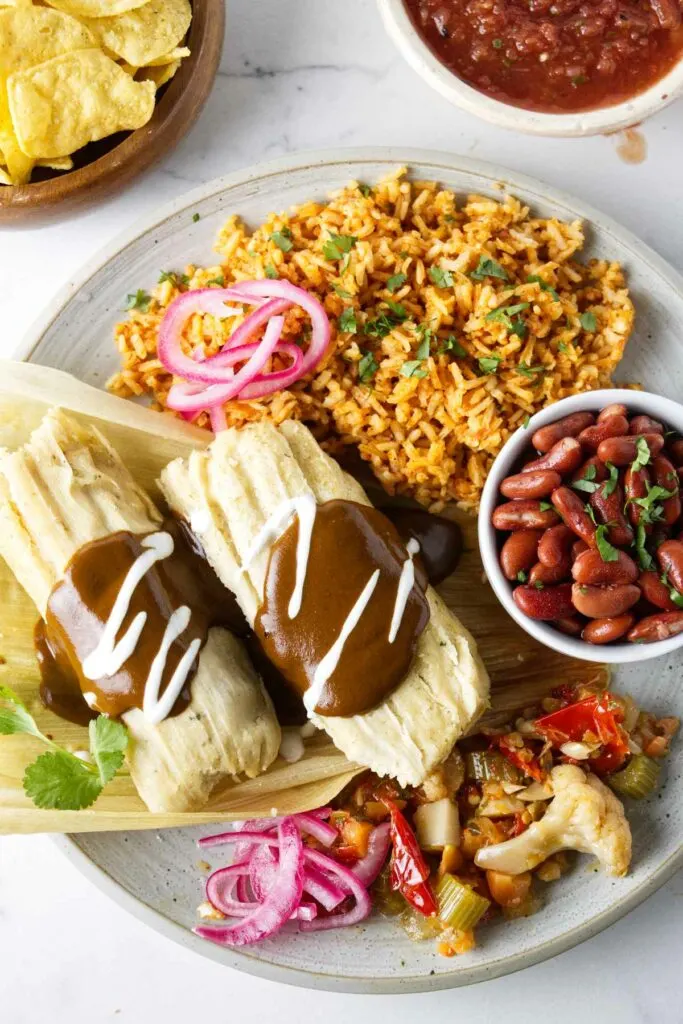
<point x="174" y="114"/>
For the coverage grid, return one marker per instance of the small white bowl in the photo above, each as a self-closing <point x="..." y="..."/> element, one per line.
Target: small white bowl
<point x="663" y="409"/>
<point x="398" y="24"/>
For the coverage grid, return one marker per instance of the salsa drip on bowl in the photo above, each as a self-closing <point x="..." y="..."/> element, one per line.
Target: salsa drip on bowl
<point x="554" y="56"/>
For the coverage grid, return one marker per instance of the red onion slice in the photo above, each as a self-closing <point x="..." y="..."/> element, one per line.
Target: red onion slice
<point x="379" y="843"/>
<point x="357" y="913"/>
<point x="219" y="889"/>
<point x="282" y="901"/>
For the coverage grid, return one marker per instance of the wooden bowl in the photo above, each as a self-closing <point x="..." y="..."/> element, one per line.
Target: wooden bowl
<point x="101" y="168"/>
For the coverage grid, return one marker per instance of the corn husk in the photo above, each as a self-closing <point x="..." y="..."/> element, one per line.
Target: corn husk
<point x="521" y="670"/>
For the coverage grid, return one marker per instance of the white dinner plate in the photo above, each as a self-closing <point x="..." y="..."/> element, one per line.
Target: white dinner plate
<point x="155" y="875"/>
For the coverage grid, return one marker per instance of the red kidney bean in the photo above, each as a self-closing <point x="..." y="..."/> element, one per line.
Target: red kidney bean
<point x="523" y="515"/>
<point x="656" y="627"/>
<point x="604" y="602"/>
<point x="666" y="476"/>
<point x="676" y="451"/>
<point x="549" y="576"/>
<point x="645" y="425"/>
<point x="597" y="476"/>
<point x="620" y="451"/>
<point x="570" y="507"/>
<point x="536" y="484"/>
<point x="670" y="558"/>
<point x="519" y="552"/>
<point x="589" y="568"/>
<point x="578" y="547"/>
<point x="546" y="437"/>
<point x="656" y="592"/>
<point x="563" y="458"/>
<point x="606" y="631"/>
<point x="610" y="510"/>
<point x="612" y="426"/>
<point x="554" y="545"/>
<point x="571" y="626"/>
<point x="547" y="603"/>
<point x="612" y="410"/>
<point x="635" y="484"/>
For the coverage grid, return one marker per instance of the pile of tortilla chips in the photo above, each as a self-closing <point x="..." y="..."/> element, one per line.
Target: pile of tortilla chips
<point x="75" y="71"/>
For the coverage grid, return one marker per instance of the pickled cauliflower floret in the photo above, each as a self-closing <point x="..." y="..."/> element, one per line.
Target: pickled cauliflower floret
<point x="584" y="815"/>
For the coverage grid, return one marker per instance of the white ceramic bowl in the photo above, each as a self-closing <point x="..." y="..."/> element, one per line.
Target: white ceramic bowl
<point x="663" y="409"/>
<point x="591" y="122"/>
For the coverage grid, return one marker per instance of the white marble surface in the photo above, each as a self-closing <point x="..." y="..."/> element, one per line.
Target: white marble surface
<point x="296" y="75"/>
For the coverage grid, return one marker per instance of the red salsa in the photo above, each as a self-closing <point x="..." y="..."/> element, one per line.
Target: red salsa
<point x="556" y="56"/>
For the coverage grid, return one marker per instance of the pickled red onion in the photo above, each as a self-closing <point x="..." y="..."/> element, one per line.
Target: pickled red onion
<point x="208" y="383"/>
<point x="265" y="880"/>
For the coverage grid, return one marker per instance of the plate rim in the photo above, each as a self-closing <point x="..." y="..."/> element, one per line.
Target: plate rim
<point x="321" y="159"/>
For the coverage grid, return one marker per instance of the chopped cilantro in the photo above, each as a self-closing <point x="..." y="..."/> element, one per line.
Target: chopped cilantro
<point x="398" y="310"/>
<point x="588" y="321"/>
<point x="539" y="585"/>
<point x="529" y="371"/>
<point x="522" y="576"/>
<point x="451" y="344"/>
<point x="367" y="367"/>
<point x="489" y="364"/>
<point x="509" y="317"/>
<point x="526" y="420"/>
<point x="195" y="218"/>
<point x="365" y="190"/>
<point x="562" y="347"/>
<point x="271" y="272"/>
<point x="337" y="246"/>
<point x="441" y="278"/>
<point x="543" y="285"/>
<point x="674" y="594"/>
<point x="488" y="267"/>
<point x="610" y="485"/>
<point x="424" y="347"/>
<point x="175" y="279"/>
<point x="587" y="482"/>
<point x="283" y="239"/>
<point x="607" y="552"/>
<point x="645" y="559"/>
<point x="395" y="282"/>
<point x="140" y="300"/>
<point x="653" y="511"/>
<point x="545" y="506"/>
<point x="642" y="454"/>
<point x="497" y="44"/>
<point x="347" y="321"/>
<point x="413" y="368"/>
<point x="341" y="292"/>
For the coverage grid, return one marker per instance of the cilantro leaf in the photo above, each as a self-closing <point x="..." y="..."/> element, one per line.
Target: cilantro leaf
<point x="220" y="280"/>
<point x="108" y="742"/>
<point x="175" y="278"/>
<point x="526" y="421"/>
<point x="509" y="317"/>
<point x="398" y="310"/>
<point x="562" y="347"/>
<point x="607" y="552"/>
<point x="543" y="285"/>
<point x="413" y="368"/>
<point x="271" y="272"/>
<point x="395" y="282"/>
<point x="423" y="348"/>
<point x="522" y="576"/>
<point x="489" y="364"/>
<point x="365" y="190"/>
<point x="545" y="506"/>
<point x="587" y="482"/>
<point x="488" y="267"/>
<point x="442" y="278"/>
<point x="529" y="371"/>
<point x="645" y="559"/>
<point x="347" y="321"/>
<point x="610" y="485"/>
<point x="138" y="300"/>
<point x="15" y="717"/>
<point x="653" y="511"/>
<point x="674" y="594"/>
<point x="283" y="239"/>
<point x="385" y="322"/>
<point x="588" y="321"/>
<point x="341" y="292"/>
<point x="451" y="344"/>
<point x="336" y="247"/>
<point x="58" y="780"/>
<point x="367" y="367"/>
<point x="642" y="454"/>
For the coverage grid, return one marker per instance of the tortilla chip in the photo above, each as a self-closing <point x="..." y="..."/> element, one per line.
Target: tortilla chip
<point x="141" y="36"/>
<point x="61" y="105"/>
<point x="96" y="8"/>
<point x="28" y="36"/>
<point x="159" y="75"/>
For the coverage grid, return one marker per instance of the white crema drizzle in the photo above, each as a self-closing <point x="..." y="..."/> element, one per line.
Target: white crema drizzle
<point x="304" y="507"/>
<point x="405" y="585"/>
<point x="109" y="655"/>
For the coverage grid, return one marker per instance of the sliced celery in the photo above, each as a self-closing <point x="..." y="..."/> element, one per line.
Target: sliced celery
<point x="491" y="766"/>
<point x="638" y="779"/>
<point x="460" y="907"/>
